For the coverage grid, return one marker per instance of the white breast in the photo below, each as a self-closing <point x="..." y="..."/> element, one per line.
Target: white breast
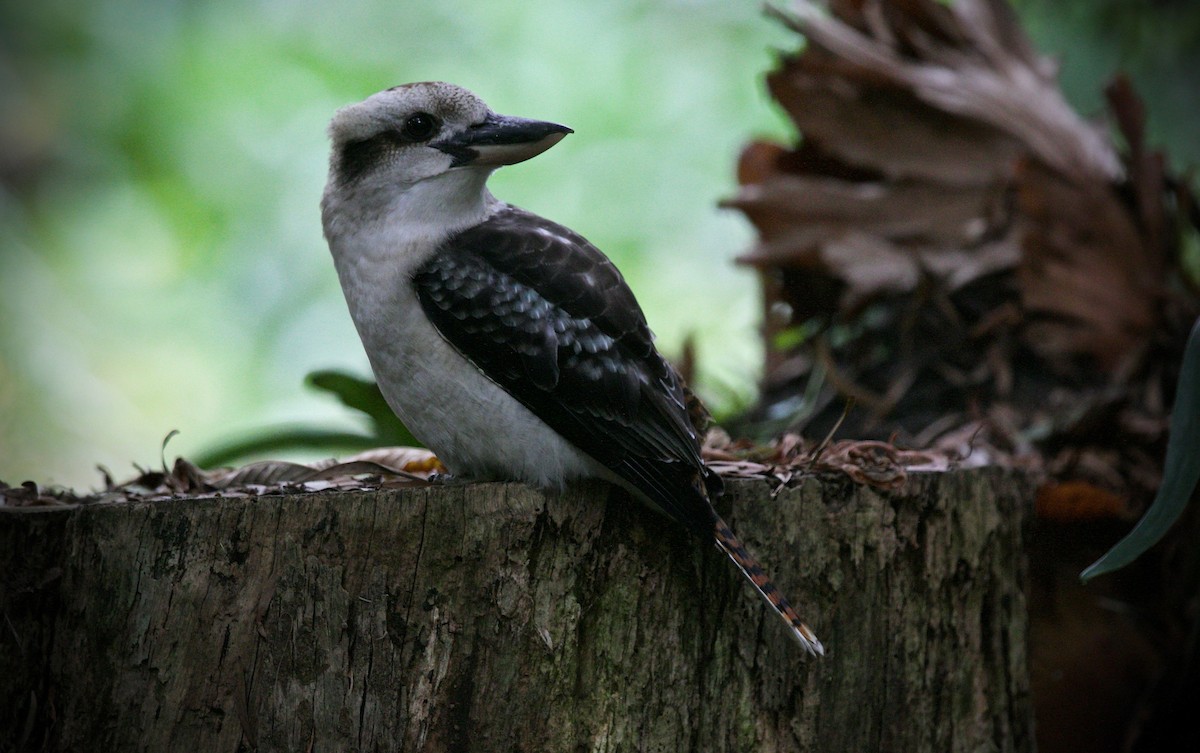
<point x="475" y="427"/>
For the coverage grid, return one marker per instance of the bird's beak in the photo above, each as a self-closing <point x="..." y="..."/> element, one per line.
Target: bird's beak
<point x="502" y="140"/>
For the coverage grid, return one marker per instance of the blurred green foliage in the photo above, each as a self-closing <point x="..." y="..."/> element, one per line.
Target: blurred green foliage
<point x="161" y="259"/>
<point x="162" y="263"/>
<point x="1157" y="42"/>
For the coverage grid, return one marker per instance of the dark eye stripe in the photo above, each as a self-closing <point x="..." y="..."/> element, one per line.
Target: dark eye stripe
<point x="360" y="157"/>
<point x="357" y="158"/>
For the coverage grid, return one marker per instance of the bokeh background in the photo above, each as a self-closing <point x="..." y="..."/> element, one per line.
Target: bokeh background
<point x="161" y="164"/>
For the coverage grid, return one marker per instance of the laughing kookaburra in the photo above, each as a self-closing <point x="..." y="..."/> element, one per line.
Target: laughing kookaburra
<point x="508" y="344"/>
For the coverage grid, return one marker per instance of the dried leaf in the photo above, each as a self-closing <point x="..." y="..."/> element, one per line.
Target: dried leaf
<point x="949" y="239"/>
<point x="961" y="70"/>
<point x="263" y="473"/>
<point x="872" y="463"/>
<point x="31" y="494"/>
<point x="1089" y="284"/>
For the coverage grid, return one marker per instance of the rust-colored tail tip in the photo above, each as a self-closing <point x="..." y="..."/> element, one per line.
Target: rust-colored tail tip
<point x="732" y="546"/>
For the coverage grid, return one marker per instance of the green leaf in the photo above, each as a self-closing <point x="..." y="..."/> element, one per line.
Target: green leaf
<point x="363" y="395"/>
<point x="1180" y="471"/>
<point x="282" y="439"/>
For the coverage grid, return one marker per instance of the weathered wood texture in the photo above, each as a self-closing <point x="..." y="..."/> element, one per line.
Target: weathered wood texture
<point x="496" y="618"/>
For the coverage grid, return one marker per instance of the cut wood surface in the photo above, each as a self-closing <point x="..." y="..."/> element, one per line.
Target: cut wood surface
<point x="493" y="617"/>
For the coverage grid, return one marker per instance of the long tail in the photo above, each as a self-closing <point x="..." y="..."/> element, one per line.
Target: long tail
<point x="749" y="566"/>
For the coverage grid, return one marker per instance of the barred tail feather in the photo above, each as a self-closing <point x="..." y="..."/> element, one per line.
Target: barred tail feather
<point x="749" y="566"/>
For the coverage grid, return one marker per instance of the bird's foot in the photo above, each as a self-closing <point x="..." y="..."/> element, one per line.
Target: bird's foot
<point x="446" y="478"/>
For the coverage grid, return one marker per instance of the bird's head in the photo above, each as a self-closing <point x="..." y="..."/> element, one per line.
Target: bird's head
<point x="411" y="133"/>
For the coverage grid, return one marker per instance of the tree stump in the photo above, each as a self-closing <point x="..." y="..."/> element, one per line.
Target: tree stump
<point x="493" y="617"/>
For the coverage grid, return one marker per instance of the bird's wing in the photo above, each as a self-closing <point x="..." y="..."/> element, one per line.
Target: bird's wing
<point x="547" y="316"/>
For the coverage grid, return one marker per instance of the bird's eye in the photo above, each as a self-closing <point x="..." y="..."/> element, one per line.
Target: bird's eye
<point x="419" y="127"/>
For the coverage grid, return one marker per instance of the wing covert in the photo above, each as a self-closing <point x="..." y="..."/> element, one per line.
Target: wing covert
<point x="549" y="318"/>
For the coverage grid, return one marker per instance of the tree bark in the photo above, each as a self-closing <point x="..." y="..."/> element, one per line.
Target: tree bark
<point x="493" y="617"/>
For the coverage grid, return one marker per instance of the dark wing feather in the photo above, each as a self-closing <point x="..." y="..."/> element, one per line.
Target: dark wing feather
<point x="547" y="316"/>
